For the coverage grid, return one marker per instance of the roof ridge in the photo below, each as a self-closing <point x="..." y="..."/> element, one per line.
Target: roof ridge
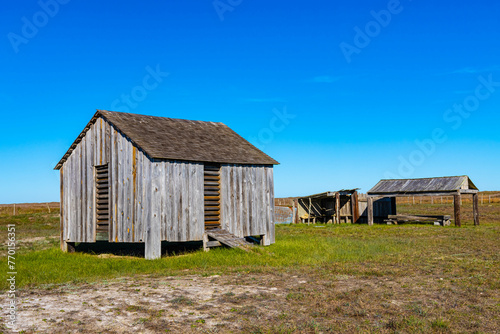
<point x="153" y="116"/>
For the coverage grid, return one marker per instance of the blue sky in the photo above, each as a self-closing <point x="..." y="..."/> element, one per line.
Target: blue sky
<point x="342" y="94"/>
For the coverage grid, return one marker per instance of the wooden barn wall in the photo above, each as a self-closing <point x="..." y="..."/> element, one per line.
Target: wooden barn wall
<point x="130" y="189"/>
<point x="247" y="200"/>
<point x="159" y="196"/>
<point x="78" y="187"/>
<point x="180" y="195"/>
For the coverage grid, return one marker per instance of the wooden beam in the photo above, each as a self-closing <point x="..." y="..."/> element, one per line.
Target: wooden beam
<point x="370" y="210"/>
<point x="337" y="207"/>
<point x="475" y="208"/>
<point x="468" y="191"/>
<point x="63" y="244"/>
<point x="355" y="207"/>
<point x="456" y="206"/>
<point x="309" y="212"/>
<point x="416" y="194"/>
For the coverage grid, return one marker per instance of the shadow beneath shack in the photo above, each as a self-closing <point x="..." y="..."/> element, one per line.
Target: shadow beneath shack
<point x="137" y="249"/>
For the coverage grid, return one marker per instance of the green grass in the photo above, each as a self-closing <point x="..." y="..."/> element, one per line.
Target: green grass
<point x="407" y="278"/>
<point x="341" y="249"/>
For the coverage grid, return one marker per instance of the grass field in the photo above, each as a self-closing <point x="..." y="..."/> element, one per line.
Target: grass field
<point x="315" y="279"/>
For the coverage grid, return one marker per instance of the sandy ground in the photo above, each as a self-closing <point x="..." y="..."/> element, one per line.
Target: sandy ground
<point x="141" y="306"/>
<point x="260" y="303"/>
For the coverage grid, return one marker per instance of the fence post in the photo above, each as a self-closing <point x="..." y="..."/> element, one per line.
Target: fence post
<point x="14" y="209"/>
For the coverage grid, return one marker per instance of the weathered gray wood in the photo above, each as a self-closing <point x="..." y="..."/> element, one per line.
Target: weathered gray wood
<point x="475" y="209"/>
<point x="200" y="200"/>
<point x="74" y="199"/>
<point x="419" y="217"/>
<point x="63" y="244"/>
<point x="370" y="210"/>
<point x="87" y="237"/>
<point x="456" y="206"/>
<point x="187" y="200"/>
<point x="239" y="201"/>
<point x="153" y="226"/>
<point x="270" y="186"/>
<point x="254" y="223"/>
<point x="337" y="208"/>
<point x="170" y="214"/>
<point x="183" y="201"/>
<point x="164" y="199"/>
<point x="127" y="190"/>
<point x="228" y="239"/>
<point x="224" y="197"/>
<point x="245" y="204"/>
<point x="91" y="200"/>
<point x="115" y="186"/>
<point x="67" y="206"/>
<point x="146" y="214"/>
<point x="112" y="162"/>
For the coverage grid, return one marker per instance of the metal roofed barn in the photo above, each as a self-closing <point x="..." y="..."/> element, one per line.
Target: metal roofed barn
<point x="455" y="186"/>
<point x="146" y="179"/>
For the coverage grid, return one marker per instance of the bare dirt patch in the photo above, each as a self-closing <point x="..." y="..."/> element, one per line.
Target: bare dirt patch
<point x="251" y="303"/>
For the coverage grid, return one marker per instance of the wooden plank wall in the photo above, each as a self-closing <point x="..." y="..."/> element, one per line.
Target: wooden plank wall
<point x="182" y="201"/>
<point x="247" y="195"/>
<point x="154" y="193"/>
<point x="78" y="189"/>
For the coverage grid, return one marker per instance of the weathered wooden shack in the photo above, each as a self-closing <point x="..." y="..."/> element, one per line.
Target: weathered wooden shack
<point x="455" y="186"/>
<point x="143" y="179"/>
<point x="331" y="206"/>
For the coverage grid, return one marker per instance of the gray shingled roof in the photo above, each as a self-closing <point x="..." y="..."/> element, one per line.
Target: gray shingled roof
<point x="179" y="139"/>
<point x="425" y="185"/>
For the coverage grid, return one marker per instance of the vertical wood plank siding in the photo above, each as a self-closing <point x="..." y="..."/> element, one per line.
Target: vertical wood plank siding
<point x="78" y="197"/>
<point x="247" y="195"/>
<point x="162" y="197"/>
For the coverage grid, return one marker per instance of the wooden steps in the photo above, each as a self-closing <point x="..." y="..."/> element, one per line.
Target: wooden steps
<point x="223" y="237"/>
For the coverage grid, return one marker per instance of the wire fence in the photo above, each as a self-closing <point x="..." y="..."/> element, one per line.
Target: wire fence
<point x="28" y="208"/>
<point x="415" y="200"/>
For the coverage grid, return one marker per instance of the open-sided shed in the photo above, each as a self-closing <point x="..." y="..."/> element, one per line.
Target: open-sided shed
<point x="335" y="206"/>
<point x="145" y="179"/>
<point x="455" y="186"/>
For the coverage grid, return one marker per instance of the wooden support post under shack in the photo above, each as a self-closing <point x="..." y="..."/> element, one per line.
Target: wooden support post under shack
<point x="475" y="208"/>
<point x="337" y="207"/>
<point x="297" y="217"/>
<point x="355" y="207"/>
<point x="370" y="210"/>
<point x="309" y="212"/>
<point x="456" y="206"/>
